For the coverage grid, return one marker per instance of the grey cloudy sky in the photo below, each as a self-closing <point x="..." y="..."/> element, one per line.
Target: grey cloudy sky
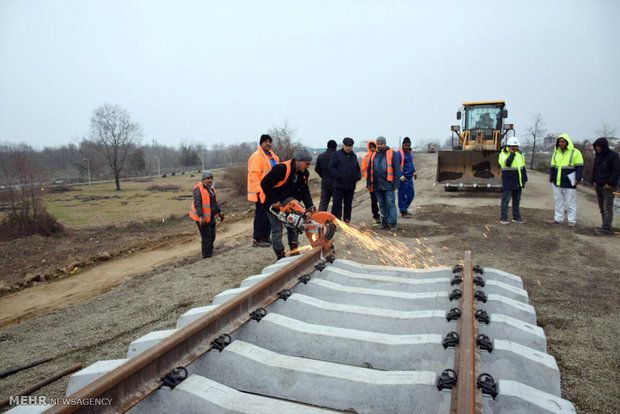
<point x="226" y="71"/>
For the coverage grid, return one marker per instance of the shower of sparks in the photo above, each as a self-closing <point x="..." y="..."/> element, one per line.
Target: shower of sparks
<point x="386" y="249"/>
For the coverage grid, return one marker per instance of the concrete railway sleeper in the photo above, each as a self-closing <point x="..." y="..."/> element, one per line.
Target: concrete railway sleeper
<point x="346" y="338"/>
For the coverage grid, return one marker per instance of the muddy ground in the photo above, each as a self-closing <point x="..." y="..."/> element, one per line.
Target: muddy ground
<point x="569" y="274"/>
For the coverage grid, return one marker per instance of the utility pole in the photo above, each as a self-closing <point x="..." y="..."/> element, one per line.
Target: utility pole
<point x="202" y="158"/>
<point x="88" y="166"/>
<point x="158" y="169"/>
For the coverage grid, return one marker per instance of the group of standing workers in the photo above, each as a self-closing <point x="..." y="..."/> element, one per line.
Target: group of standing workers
<point x="384" y="170"/>
<point x="566" y="173"/>
<point x="271" y="182"/>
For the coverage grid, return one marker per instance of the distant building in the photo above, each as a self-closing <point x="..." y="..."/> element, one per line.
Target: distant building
<point x="550" y="140"/>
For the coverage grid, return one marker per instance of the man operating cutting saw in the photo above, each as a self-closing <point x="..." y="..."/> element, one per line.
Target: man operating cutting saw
<point x="287" y="180"/>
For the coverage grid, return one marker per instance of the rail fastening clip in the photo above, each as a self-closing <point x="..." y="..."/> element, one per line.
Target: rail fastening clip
<point x="453" y="314"/>
<point x="451" y="339"/>
<point x="174" y="378"/>
<point x="258" y="314"/>
<point x="447" y="379"/>
<point x="488" y="384"/>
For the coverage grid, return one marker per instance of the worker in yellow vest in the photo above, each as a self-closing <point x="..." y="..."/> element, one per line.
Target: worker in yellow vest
<point x="514" y="177"/>
<point x="204" y="210"/>
<point x="566" y="174"/>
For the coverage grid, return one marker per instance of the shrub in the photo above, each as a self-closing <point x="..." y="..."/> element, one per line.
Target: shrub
<point x="26" y="213"/>
<point x="236" y="178"/>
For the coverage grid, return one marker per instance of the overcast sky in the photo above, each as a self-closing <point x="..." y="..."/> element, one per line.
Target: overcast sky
<point x="211" y="71"/>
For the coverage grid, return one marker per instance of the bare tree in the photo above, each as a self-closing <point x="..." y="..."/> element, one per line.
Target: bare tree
<point x="536" y="131"/>
<point x="26" y="213"/>
<point x="111" y="125"/>
<point x="283" y="143"/>
<point x="605" y="131"/>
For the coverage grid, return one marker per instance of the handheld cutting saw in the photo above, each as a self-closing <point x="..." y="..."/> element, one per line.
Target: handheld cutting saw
<point x="319" y="227"/>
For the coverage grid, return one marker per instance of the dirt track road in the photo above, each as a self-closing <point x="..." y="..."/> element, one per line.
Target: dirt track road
<point x="48" y="297"/>
<point x="569" y="274"/>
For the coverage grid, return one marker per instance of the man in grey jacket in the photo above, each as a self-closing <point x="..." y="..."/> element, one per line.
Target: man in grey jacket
<point x="384" y="166"/>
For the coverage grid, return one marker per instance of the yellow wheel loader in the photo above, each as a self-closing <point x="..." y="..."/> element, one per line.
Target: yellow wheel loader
<point x="472" y="161"/>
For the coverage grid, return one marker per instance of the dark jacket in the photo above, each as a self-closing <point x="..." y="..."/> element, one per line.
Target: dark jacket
<point x="322" y="167"/>
<point x="606" y="165"/>
<point x="379" y="166"/>
<point x="215" y="207"/>
<point x="346" y="170"/>
<point x="296" y="186"/>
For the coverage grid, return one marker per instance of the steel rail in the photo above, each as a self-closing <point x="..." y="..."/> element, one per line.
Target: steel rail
<point x="141" y="375"/>
<point x="466" y="397"/>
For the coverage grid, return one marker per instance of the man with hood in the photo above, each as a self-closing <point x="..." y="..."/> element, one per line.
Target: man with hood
<point x="203" y="211"/>
<point x="286" y="180"/>
<point x="374" y="205"/>
<point x="346" y="171"/>
<point x="605" y="175"/>
<point x="327" y="179"/>
<point x="259" y="164"/>
<point x="406" y="191"/>
<point x="384" y="167"/>
<point x="566" y="174"/>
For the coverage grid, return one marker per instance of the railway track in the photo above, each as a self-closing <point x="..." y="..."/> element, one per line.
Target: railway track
<point x="314" y="334"/>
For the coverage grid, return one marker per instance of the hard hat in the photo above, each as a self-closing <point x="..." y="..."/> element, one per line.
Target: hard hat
<point x="512" y="141"/>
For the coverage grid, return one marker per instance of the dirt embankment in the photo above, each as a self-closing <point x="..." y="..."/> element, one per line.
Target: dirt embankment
<point x="568" y="274"/>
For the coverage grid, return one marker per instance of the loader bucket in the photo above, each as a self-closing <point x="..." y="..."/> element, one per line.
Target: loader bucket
<point x="468" y="169"/>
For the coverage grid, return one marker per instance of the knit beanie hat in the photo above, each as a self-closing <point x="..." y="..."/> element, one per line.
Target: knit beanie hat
<point x="380" y="139"/>
<point x="264" y="138"/>
<point x="406" y="140"/>
<point x="303" y="155"/>
<point x="332" y="144"/>
<point x="207" y="174"/>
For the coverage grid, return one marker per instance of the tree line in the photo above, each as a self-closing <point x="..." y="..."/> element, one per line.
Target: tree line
<point x="113" y="149"/>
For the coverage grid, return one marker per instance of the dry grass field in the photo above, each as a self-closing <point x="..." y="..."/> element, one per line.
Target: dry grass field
<point x="138" y="201"/>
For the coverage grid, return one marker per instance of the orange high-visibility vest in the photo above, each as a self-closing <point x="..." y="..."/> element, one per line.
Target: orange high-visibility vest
<point x="263" y="197"/>
<point x="259" y="166"/>
<point x="206" y="203"/>
<point x="365" y="162"/>
<point x="402" y="158"/>
<point x="390" y="168"/>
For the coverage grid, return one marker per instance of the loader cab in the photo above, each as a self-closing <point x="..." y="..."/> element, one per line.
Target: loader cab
<point x="482" y="124"/>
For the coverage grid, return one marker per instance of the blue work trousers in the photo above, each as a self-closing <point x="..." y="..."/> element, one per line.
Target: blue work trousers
<point x="387" y="204"/>
<point x="516" y="199"/>
<point x="406" y="192"/>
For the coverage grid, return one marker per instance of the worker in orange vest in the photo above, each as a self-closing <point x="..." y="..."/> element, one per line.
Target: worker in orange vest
<point x="286" y="180"/>
<point x="384" y="166"/>
<point x="259" y="164"/>
<point x="374" y="206"/>
<point x="204" y="210"/>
